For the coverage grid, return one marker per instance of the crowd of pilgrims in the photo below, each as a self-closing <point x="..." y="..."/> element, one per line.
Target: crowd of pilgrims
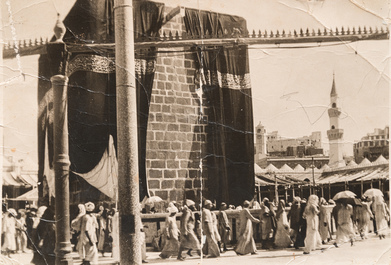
<point x="308" y="224"/>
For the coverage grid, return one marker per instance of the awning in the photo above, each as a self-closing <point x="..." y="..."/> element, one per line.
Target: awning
<point x="12" y="179"/>
<point x="31" y="195"/>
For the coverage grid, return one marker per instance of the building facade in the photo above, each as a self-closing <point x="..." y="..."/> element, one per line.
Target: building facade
<point x="373" y="145"/>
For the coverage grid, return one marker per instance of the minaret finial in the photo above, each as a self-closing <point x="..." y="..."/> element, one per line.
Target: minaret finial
<point x="333" y="89"/>
<point x="59" y="29"/>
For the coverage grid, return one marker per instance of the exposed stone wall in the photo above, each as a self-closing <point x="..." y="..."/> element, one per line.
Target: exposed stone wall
<point x="176" y="130"/>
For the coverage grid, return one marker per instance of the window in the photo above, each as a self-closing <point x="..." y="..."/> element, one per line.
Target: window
<point x="333" y="127"/>
<point x="334" y="105"/>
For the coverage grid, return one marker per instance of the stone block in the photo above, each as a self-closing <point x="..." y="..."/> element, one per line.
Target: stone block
<point x="197" y="183"/>
<point x="179" y="183"/>
<point x="166" y="108"/>
<point x="184" y="164"/>
<point x="186" y="146"/>
<point x="183" y="101"/>
<point x="150" y="136"/>
<point x="182" y="173"/>
<point x="187" y="63"/>
<point x="185" y="128"/>
<point x="176" y="146"/>
<point x="164" y="145"/>
<point x="155" y="173"/>
<point x="154" y="184"/>
<point x="155" y="108"/>
<point x="160" y="85"/>
<point x="193" y="173"/>
<point x="169" y="118"/>
<point x="170" y="69"/>
<point x="182" y="118"/>
<point x="168" y="86"/>
<point x="173" y="127"/>
<point x="198" y="129"/>
<point x="170" y="136"/>
<point x="167" y="184"/>
<point x="159" y="117"/>
<point x="169" y="100"/>
<point x="167" y="61"/>
<point x="180" y="71"/>
<point x="159" y="126"/>
<point x="172" y="78"/>
<point x="152" y="145"/>
<point x="181" y="137"/>
<point x="188" y="184"/>
<point x="158" y="99"/>
<point x="159" y="136"/>
<point x="160" y="69"/>
<point x="169" y="174"/>
<point x="172" y="164"/>
<point x="181" y="79"/>
<point x="178" y="62"/>
<point x="158" y="164"/>
<point x="162" y="77"/>
<point x="162" y="194"/>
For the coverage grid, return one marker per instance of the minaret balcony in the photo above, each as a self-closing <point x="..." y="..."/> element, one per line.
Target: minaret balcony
<point x="335" y="134"/>
<point x="334" y="112"/>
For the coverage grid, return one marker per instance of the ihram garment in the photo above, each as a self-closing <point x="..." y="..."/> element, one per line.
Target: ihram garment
<point x="171" y="245"/>
<point x="9" y="232"/>
<point x="87" y="226"/>
<point x="282" y="238"/>
<point x="345" y="228"/>
<point x="312" y="239"/>
<point x="324" y="221"/>
<point x="210" y="248"/>
<point x="224" y="227"/>
<point x="363" y="217"/>
<point x="246" y="243"/>
<point x="215" y="227"/>
<point x="380" y="210"/>
<point x="188" y="238"/>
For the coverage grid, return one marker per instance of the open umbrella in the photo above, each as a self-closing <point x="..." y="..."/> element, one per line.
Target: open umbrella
<point x="344" y="194"/>
<point x="373" y="192"/>
<point x="351" y="201"/>
<point x="150" y="201"/>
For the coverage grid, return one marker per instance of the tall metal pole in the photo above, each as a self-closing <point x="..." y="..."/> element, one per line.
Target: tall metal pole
<point x="1" y="115"/>
<point x="128" y="179"/>
<point x="313" y="177"/>
<point x="61" y="169"/>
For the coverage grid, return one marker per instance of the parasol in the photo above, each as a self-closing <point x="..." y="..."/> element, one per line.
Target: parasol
<point x="150" y="201"/>
<point x="351" y="201"/>
<point x="373" y="192"/>
<point x="344" y="194"/>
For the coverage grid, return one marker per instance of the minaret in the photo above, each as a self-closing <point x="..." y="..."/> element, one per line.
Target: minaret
<point x="260" y="142"/>
<point x="335" y="134"/>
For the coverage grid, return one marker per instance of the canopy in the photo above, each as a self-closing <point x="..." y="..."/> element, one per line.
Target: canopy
<point x="104" y="176"/>
<point x="31" y="195"/>
<point x="13" y="179"/>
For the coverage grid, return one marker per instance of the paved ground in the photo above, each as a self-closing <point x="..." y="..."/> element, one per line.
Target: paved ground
<point x="366" y="252"/>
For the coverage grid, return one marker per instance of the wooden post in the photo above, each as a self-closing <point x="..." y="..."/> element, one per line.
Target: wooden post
<point x="275" y="187"/>
<point x="329" y="191"/>
<point x="128" y="179"/>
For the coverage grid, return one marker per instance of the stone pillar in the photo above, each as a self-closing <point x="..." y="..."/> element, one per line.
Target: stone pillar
<point x="58" y="57"/>
<point x="128" y="180"/>
<point x="61" y="169"/>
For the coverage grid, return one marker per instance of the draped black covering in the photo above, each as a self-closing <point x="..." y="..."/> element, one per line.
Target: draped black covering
<point x="92" y="91"/>
<point x="226" y="84"/>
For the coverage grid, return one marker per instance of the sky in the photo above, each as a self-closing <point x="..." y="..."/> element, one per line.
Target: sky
<point x="290" y="85"/>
